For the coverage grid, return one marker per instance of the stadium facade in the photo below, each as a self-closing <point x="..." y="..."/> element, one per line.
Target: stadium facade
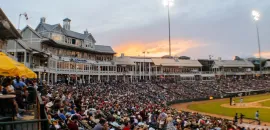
<point x="55" y="53"/>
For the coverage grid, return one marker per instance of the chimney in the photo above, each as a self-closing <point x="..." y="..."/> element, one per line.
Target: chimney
<point x="66" y="23"/>
<point x="86" y="32"/>
<point x="122" y="55"/>
<point x="219" y="58"/>
<point x="42" y="20"/>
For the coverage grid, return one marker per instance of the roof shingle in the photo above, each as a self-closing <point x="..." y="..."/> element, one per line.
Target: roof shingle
<point x="102" y="48"/>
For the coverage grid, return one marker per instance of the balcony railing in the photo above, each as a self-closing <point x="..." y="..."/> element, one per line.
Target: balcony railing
<point x="39" y="123"/>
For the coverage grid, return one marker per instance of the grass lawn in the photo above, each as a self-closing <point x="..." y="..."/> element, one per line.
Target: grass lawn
<point x="214" y="107"/>
<point x="266" y="103"/>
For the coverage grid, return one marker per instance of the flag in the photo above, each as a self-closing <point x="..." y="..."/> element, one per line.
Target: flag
<point x="25" y="15"/>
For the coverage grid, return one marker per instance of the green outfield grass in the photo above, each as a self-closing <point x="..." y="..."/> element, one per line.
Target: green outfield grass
<point x="266" y="103"/>
<point x="214" y="107"/>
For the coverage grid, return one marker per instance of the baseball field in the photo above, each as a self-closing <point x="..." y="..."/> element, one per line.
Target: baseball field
<point x="222" y="108"/>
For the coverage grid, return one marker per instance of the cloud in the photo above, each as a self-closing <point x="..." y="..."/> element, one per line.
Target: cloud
<point x="157" y="48"/>
<point x="265" y="54"/>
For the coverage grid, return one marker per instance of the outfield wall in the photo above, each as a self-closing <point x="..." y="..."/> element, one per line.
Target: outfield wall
<point x="227" y="95"/>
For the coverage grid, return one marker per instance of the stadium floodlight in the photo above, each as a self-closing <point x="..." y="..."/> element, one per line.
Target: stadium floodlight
<point x="256" y="16"/>
<point x="169" y="3"/>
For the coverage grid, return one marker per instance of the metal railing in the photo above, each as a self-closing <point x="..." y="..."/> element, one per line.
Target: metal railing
<point x="39" y="123"/>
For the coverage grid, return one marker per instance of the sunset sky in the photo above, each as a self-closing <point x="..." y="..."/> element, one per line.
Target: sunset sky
<point x="222" y="28"/>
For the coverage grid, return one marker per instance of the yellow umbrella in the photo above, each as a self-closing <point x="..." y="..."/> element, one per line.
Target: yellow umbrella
<point x="31" y="74"/>
<point x="28" y="73"/>
<point x="10" y="67"/>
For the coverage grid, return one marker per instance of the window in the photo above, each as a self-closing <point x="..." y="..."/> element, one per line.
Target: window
<point x="73" y="41"/>
<point x="56" y="37"/>
<point x="78" y="42"/>
<point x="66" y="39"/>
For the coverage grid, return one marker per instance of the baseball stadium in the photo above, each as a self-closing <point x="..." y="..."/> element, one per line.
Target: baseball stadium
<point x="121" y="76"/>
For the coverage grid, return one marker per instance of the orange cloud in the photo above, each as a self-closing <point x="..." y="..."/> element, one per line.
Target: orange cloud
<point x="158" y="48"/>
<point x="263" y="54"/>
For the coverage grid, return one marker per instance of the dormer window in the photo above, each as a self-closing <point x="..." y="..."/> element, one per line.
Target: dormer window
<point x="73" y="41"/>
<point x="57" y="37"/>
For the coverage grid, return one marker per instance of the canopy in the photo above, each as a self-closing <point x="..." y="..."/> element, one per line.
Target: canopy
<point x="10" y="67"/>
<point x="30" y="73"/>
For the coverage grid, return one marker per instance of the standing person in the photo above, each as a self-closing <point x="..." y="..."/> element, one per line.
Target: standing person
<point x="241" y="100"/>
<point x="233" y="103"/>
<point x="257" y="115"/>
<point x="241" y="118"/>
<point x="19" y="86"/>
<point x="236" y="118"/>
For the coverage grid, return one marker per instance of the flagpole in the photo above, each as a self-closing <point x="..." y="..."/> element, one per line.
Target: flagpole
<point x="19" y="21"/>
<point x="15" y="42"/>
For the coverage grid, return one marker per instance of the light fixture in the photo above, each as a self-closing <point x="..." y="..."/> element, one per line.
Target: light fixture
<point x="256" y="15"/>
<point x="168" y="3"/>
<point x="5" y="24"/>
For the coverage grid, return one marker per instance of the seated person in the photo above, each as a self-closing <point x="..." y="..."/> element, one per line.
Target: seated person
<point x="8" y="89"/>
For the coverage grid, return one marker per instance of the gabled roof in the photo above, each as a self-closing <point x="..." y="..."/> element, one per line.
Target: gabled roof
<point x="267" y="64"/>
<point x="75" y="34"/>
<point x="176" y="62"/>
<point x="124" y="61"/>
<point x="49" y="27"/>
<point x="232" y="63"/>
<point x="31" y="30"/>
<point x="105" y="49"/>
<point x="23" y="44"/>
<point x="141" y="59"/>
<point x="7" y="30"/>
<point x="69" y="33"/>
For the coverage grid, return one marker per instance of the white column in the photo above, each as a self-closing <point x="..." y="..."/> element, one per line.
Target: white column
<point x="143" y="71"/>
<point x="140" y="70"/>
<point x="89" y="78"/>
<point x="135" y="71"/>
<point x="161" y="69"/>
<point x="25" y="54"/>
<point x="131" y="75"/>
<point x="39" y="75"/>
<point x="55" y="77"/>
<point x="52" y="78"/>
<point x="48" y="78"/>
<point x="115" y="69"/>
<point x="156" y="71"/>
<point x="149" y="71"/>
<point x="44" y="75"/>
<point x="98" y="72"/>
<point x="16" y="52"/>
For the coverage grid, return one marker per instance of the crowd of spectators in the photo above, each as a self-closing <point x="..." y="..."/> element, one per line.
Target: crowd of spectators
<point x="129" y="106"/>
<point x="143" y="105"/>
